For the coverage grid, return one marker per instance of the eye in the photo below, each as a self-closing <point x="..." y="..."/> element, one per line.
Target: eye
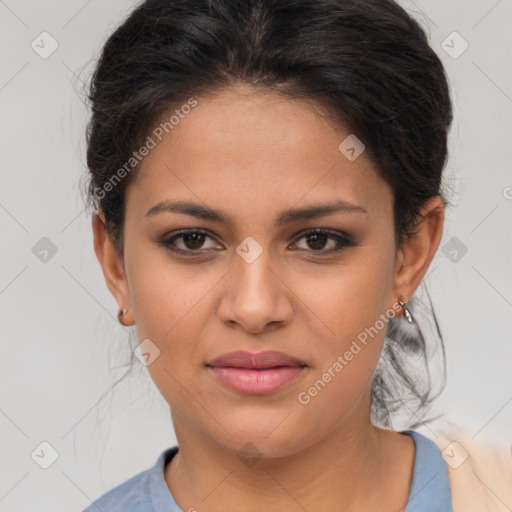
<point x="192" y="239"/>
<point x="317" y="239"/>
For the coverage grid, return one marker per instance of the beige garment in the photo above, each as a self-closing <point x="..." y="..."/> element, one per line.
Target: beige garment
<point x="480" y="472"/>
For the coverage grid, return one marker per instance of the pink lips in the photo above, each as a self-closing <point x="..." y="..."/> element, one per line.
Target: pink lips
<point x="256" y="373"/>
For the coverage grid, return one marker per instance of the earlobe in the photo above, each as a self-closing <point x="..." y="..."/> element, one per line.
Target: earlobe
<point x="110" y="260"/>
<point x="417" y="251"/>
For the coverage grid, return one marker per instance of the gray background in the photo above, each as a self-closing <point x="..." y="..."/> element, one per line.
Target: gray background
<point x="59" y="332"/>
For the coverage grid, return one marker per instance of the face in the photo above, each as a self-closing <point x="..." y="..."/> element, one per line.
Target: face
<point x="255" y="279"/>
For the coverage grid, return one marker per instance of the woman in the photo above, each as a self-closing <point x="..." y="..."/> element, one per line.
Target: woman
<point x="266" y="178"/>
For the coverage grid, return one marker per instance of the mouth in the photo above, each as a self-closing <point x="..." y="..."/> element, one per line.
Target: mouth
<point x="257" y="373"/>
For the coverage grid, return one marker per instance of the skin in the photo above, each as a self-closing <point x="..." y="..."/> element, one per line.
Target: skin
<point x="253" y="155"/>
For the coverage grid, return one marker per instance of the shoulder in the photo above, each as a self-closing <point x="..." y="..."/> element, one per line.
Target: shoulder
<point x="143" y="492"/>
<point x="125" y="497"/>
<point x="140" y="492"/>
<point x="480" y="472"/>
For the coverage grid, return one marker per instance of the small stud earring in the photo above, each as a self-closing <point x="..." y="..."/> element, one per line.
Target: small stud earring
<point x="121" y="313"/>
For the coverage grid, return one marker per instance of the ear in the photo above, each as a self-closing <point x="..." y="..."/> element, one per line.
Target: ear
<point x="417" y="251"/>
<point x="110" y="261"/>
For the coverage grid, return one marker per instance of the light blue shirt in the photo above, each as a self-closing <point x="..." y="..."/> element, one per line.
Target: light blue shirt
<point x="148" y="492"/>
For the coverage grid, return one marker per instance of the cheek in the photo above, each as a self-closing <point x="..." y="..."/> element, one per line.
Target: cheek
<point x="170" y="306"/>
<point x="350" y="317"/>
<point x="348" y="299"/>
<point x="163" y="294"/>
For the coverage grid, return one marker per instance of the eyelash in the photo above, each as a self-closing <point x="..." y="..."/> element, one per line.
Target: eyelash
<point x="343" y="240"/>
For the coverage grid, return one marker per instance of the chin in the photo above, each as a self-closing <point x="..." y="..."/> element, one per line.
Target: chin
<point x="261" y="442"/>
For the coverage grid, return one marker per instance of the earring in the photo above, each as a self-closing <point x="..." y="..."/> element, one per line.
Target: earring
<point x="406" y="331"/>
<point x="120" y="315"/>
<point x="407" y="313"/>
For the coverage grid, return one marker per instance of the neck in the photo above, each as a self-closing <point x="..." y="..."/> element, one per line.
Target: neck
<point x="351" y="466"/>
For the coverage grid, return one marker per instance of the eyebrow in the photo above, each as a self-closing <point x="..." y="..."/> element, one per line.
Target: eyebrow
<point x="284" y="217"/>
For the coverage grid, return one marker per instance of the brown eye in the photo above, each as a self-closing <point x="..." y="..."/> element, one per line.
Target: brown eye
<point x="191" y="241"/>
<point x="318" y="239"/>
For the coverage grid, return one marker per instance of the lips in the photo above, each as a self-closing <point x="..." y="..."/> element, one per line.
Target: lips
<point x="256" y="361"/>
<point x="261" y="373"/>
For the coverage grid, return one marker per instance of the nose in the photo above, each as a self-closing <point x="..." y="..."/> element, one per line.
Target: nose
<point x="256" y="297"/>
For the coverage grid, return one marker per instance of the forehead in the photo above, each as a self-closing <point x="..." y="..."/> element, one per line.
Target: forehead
<point x="239" y="149"/>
